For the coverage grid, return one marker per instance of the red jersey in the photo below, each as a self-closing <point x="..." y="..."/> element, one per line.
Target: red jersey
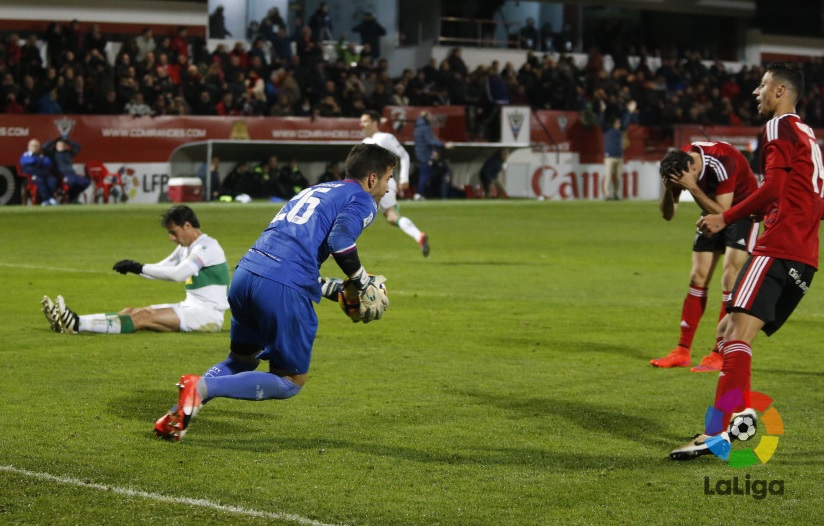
<point x="791" y="196"/>
<point x="725" y="170"/>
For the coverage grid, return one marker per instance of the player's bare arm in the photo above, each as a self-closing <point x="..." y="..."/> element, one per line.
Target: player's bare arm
<point x="669" y="200"/>
<point x="688" y="181"/>
<point x="711" y="224"/>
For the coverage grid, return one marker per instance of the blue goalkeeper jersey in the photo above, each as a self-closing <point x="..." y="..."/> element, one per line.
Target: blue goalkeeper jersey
<point x="323" y="219"/>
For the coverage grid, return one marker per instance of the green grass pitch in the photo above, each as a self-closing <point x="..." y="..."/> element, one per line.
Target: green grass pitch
<point x="508" y="383"/>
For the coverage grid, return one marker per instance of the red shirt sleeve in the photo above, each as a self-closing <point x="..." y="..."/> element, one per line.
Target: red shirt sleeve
<point x="778" y="161"/>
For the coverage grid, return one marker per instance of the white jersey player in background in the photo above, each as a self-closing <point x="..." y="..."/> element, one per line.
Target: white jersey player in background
<point x="370" y="122"/>
<point x="198" y="262"/>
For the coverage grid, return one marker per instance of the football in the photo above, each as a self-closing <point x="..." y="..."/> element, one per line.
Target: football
<point x="349" y="300"/>
<point x="742" y="427"/>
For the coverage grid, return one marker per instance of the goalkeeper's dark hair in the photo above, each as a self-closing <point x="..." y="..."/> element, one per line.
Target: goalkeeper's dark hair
<point x="179" y="215"/>
<point x="675" y="162"/>
<point x="788" y="73"/>
<point x="364" y="159"/>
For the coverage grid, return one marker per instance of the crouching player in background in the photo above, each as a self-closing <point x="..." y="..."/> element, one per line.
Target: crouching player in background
<point x="198" y="261"/>
<point x="718" y="176"/>
<point x="277" y="281"/>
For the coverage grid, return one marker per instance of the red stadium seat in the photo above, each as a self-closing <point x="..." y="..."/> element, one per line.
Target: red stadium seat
<point x="29" y="189"/>
<point x="104" y="181"/>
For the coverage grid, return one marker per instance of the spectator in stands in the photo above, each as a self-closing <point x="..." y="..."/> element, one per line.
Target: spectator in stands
<point x="371" y="32"/>
<point x="62" y="151"/>
<point x="399" y="97"/>
<point x="321" y="23"/>
<point x="145" y="43"/>
<point x="227" y="106"/>
<point x="55" y="43"/>
<point x="137" y="107"/>
<point x="30" y="61"/>
<point x="347" y="54"/>
<point x="48" y="105"/>
<point x="35" y="163"/>
<point x="204" y="105"/>
<point x="179" y="44"/>
<point x="74" y="38"/>
<point x="217" y="24"/>
<point x="253" y="31"/>
<point x="108" y="104"/>
<point x="283" y="107"/>
<point x="379" y="98"/>
<point x="272" y="22"/>
<point x="328" y="107"/>
<point x="529" y="38"/>
<point x="12" y="106"/>
<point x="281" y="45"/>
<point x="14" y="54"/>
<point x="94" y="40"/>
<point x="547" y="37"/>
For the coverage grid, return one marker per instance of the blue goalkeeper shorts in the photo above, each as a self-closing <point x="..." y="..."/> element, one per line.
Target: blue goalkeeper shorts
<point x="276" y="318"/>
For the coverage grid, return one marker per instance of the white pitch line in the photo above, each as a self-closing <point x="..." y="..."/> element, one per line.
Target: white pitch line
<point x="43" y="267"/>
<point x="163" y="498"/>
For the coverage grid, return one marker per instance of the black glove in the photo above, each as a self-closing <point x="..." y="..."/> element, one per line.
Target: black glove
<point x="127" y="265"/>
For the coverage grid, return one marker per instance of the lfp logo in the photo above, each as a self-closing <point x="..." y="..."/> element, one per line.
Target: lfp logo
<point x="742" y="458"/>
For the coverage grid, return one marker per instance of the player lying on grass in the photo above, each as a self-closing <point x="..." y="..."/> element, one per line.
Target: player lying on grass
<point x="718" y="176"/>
<point x="278" y="279"/>
<point x="198" y="261"/>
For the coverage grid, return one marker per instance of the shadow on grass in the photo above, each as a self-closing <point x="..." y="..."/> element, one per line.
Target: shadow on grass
<point x="253" y="432"/>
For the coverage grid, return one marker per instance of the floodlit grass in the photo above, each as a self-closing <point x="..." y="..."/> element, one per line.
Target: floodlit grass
<point x="508" y="384"/>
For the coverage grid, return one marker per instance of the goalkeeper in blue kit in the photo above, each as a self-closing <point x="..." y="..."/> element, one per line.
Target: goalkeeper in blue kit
<point x="278" y="279"/>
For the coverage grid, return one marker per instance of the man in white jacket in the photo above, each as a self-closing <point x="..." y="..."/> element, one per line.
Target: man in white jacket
<point x="370" y="122"/>
<point x="198" y="261"/>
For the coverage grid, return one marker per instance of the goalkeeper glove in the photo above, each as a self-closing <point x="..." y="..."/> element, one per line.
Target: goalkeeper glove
<point x="127" y="265"/>
<point x="330" y="288"/>
<point x="372" y="295"/>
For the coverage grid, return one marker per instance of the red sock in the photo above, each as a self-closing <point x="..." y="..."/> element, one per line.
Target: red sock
<point x="691" y="312"/>
<point x="725" y="299"/>
<point x="736" y="374"/>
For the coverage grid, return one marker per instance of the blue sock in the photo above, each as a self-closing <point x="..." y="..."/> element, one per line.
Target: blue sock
<point x="227" y="367"/>
<point x="251" y="385"/>
<point x="230" y="366"/>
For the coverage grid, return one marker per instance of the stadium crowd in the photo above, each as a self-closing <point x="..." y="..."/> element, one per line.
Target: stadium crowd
<point x="178" y="75"/>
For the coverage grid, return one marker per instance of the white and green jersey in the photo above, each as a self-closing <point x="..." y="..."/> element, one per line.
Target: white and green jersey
<point x="201" y="266"/>
<point x="388" y="141"/>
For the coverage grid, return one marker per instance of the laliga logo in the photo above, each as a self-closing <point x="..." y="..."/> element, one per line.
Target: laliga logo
<point x="743" y="428"/>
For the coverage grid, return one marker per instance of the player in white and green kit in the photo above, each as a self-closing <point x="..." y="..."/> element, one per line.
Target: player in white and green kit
<point x="198" y="261"/>
<point x="388" y="206"/>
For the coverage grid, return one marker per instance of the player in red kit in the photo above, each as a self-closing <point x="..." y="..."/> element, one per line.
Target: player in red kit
<point x="784" y="261"/>
<point x="718" y="176"/>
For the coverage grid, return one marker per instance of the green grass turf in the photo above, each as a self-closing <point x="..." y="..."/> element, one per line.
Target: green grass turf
<point x="508" y="384"/>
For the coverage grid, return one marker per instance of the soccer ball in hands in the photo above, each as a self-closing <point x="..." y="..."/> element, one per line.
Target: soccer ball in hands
<point x="743" y="426"/>
<point x="349" y="300"/>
